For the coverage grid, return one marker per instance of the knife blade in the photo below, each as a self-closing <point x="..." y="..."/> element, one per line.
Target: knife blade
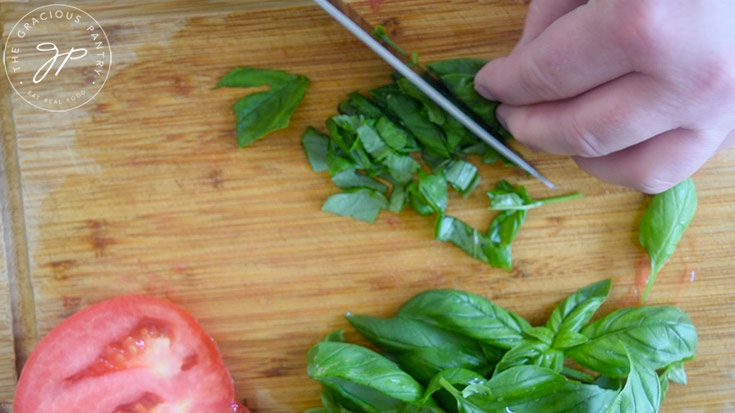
<point x="353" y="22"/>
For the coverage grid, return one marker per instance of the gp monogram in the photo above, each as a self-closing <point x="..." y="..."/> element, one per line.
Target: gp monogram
<point x="57" y="57"/>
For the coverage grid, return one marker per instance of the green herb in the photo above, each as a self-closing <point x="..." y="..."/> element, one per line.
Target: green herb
<point x="463" y="177"/>
<point x="350" y="178"/>
<point x="364" y="204"/>
<point x="663" y="334"/>
<point x="316" y="146"/>
<point x="263" y="112"/>
<point x="450" y="340"/>
<point x="663" y="224"/>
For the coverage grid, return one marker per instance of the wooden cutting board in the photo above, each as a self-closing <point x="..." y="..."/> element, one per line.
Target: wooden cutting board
<point x="143" y="190"/>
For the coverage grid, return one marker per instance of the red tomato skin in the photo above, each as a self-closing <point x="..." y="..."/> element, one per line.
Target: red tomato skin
<point x="51" y="382"/>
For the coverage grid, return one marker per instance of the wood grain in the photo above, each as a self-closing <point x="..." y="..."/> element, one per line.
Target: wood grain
<point x="144" y="191"/>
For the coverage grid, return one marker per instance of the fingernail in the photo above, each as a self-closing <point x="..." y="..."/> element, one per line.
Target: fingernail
<point x="484" y="91"/>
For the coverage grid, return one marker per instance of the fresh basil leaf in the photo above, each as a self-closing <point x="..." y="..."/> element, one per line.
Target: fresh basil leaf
<point x="533" y="388"/>
<point x="435" y="114"/>
<point x="435" y="163"/>
<point x="350" y="179"/>
<point x="337" y="163"/>
<point x="655" y="336"/>
<point x="579" y="376"/>
<point x="365" y="378"/>
<point x="642" y="390"/>
<point x="552" y="359"/>
<point x="357" y="104"/>
<point x="434" y="189"/>
<point x="363" y="204"/>
<point x="462" y="87"/>
<point x="331" y="405"/>
<point x="263" y="112"/>
<point x="467" y="314"/>
<point x="408" y="111"/>
<point x="610" y="383"/>
<point x="457" y="135"/>
<point x="421" y="349"/>
<point x="463" y="177"/>
<point x="663" y="224"/>
<point x="316" y="147"/>
<point x="577" y="309"/>
<point x="492" y="353"/>
<point x="499" y="256"/>
<point x="343" y="138"/>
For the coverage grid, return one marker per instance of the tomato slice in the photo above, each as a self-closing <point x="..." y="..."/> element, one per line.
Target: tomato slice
<point x="130" y="354"/>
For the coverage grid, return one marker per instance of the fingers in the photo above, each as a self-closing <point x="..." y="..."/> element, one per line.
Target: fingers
<point x="574" y="54"/>
<point x="656" y="164"/>
<point x="541" y="13"/>
<point x="607" y="119"/>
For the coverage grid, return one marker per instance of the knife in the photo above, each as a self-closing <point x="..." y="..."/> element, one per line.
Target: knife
<point x="352" y="21"/>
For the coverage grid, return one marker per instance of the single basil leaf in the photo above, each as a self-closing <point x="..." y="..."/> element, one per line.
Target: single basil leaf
<point x="577" y="309"/>
<point x="350" y="178"/>
<point x="420" y="349"/>
<point x="524" y="353"/>
<point x="337" y="336"/>
<point x="357" y="104"/>
<point x="664" y="222"/>
<point x="463" y="177"/>
<point x="316" y="147"/>
<point x="418" y="201"/>
<point x="401" y="167"/>
<point x="656" y="336"/>
<point x="363" y="204"/>
<point x="533" y="388"/>
<point x="397" y="198"/>
<point x="263" y="112"/>
<point x="433" y="111"/>
<point x="468" y="239"/>
<point x="434" y="189"/>
<point x="642" y="390"/>
<point x="467" y="314"/>
<point x="366" y="378"/>
<point x="408" y="111"/>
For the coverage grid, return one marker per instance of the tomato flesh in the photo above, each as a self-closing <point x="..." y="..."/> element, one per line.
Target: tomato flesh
<point x="129" y="354"/>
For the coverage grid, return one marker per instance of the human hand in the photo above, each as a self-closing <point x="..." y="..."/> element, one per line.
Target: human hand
<point x="640" y="92"/>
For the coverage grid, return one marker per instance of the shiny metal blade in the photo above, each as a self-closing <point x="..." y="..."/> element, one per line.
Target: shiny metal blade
<point x="346" y="19"/>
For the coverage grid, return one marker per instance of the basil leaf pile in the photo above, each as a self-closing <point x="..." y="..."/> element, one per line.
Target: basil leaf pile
<point x="453" y="351"/>
<point x="663" y="224"/>
<point x="263" y="112"/>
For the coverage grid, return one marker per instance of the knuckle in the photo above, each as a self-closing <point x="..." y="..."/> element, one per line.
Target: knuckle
<point x="716" y="79"/>
<point x="644" y="28"/>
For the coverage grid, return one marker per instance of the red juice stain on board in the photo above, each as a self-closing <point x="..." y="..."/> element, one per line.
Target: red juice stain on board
<point x="375" y="4"/>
